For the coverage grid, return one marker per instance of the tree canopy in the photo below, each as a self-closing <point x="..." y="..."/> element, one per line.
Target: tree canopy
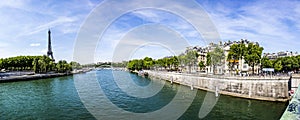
<point x="253" y="55"/>
<point x="215" y="57"/>
<point x="167" y="63"/>
<point x="38" y="64"/>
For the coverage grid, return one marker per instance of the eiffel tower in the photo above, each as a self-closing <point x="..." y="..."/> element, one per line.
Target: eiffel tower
<point x="49" y="53"/>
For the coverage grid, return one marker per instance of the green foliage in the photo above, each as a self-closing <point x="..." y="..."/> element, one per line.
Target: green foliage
<point x="174" y="62"/>
<point x="100" y="64"/>
<point x="17" y="63"/>
<point x="131" y="65"/>
<point x="253" y="55"/>
<point x="278" y="66"/>
<point x="38" y="64"/>
<point x="75" y="65"/>
<point x="284" y="64"/>
<point x="149" y="63"/>
<point x="160" y="63"/>
<point x="236" y="52"/>
<point x="266" y="63"/>
<point x="215" y="57"/>
<point x="208" y="59"/>
<point x="139" y="65"/>
<point x="1" y="63"/>
<point x="135" y="64"/>
<point x="122" y="64"/>
<point x="290" y="63"/>
<point x="189" y="59"/>
<point x="62" y="66"/>
<point x="201" y="65"/>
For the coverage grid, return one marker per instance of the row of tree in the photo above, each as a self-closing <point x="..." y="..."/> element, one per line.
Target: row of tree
<point x="171" y="63"/>
<point x="282" y="64"/>
<point x="38" y="64"/>
<point x="167" y="63"/>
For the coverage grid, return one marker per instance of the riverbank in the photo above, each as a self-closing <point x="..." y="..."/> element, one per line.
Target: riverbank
<point x="268" y="89"/>
<point x="32" y="76"/>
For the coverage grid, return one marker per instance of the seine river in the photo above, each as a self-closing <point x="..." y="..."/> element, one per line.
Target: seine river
<point x="57" y="98"/>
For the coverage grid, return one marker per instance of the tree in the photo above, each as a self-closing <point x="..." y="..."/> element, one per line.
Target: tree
<point x="139" y="65"/>
<point x="161" y="63"/>
<point x="75" y="65"/>
<point x="201" y="65"/>
<point x="235" y="54"/>
<point x="253" y="55"/>
<point x="278" y="66"/>
<point x="147" y="62"/>
<point x="215" y="57"/>
<point x="290" y="63"/>
<point x="295" y="63"/>
<point x="181" y="61"/>
<point x="208" y="59"/>
<point x="266" y="63"/>
<point x="36" y="67"/>
<point x="174" y="62"/>
<point x="38" y="64"/>
<point x="63" y="66"/>
<point x="51" y="66"/>
<point x="191" y="59"/>
<point x="42" y="66"/>
<point x="1" y="64"/>
<point x="135" y="64"/>
<point x="131" y="65"/>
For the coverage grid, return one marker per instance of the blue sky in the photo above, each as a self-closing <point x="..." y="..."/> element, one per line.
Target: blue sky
<point x="24" y="24"/>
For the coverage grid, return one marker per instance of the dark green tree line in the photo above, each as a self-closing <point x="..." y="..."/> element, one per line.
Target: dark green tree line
<point x="167" y="63"/>
<point x="38" y="64"/>
<point x="282" y="64"/>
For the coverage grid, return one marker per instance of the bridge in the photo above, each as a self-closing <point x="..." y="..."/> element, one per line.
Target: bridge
<point x="292" y="111"/>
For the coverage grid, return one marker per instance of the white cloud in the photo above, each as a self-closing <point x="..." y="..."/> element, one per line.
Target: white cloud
<point x="260" y="21"/>
<point x="271" y="24"/>
<point x="13" y="3"/>
<point x="181" y="14"/>
<point x="58" y="21"/>
<point x="35" y="44"/>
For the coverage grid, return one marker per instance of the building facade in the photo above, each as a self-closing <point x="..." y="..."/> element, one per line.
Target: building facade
<point x="273" y="56"/>
<point x="240" y="67"/>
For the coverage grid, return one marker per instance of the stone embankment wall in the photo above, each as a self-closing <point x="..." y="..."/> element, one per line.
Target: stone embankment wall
<point x="271" y="89"/>
<point x="295" y="82"/>
<point x="39" y="76"/>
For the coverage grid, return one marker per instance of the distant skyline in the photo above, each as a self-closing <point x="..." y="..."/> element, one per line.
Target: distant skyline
<point x="25" y="23"/>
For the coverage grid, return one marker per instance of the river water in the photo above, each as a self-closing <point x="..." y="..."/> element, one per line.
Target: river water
<point x="57" y="98"/>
